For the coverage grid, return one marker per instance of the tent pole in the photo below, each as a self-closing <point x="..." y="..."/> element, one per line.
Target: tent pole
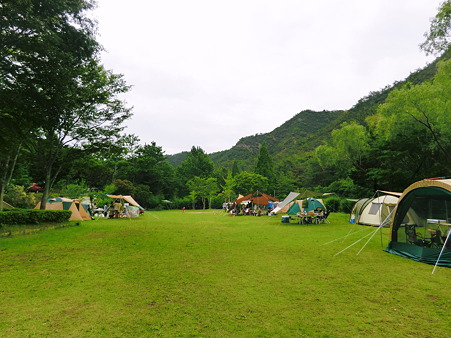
<point x="441" y="252"/>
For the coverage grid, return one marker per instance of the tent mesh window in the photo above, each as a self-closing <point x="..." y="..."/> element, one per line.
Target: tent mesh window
<point x="375" y="207"/>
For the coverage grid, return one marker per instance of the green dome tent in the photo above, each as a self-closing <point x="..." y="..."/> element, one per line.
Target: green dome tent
<point x="295" y="208"/>
<point x="314" y="204"/>
<point x="310" y="204"/>
<point x="428" y="240"/>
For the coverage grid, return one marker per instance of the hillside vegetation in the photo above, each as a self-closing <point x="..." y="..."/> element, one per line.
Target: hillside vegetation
<point x="308" y="129"/>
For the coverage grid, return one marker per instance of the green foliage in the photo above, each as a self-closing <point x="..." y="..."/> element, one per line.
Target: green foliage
<point x="124" y="187"/>
<point x="54" y="93"/>
<point x="227" y="193"/>
<point x="412" y="127"/>
<point x="109" y="189"/>
<point x="179" y="203"/>
<point x="346" y="149"/>
<point x="246" y="182"/>
<point x="23" y="217"/>
<point x="346" y="205"/>
<point x="235" y="168"/>
<point x="75" y="190"/>
<point x="347" y="188"/>
<point x="205" y="188"/>
<point x="264" y="164"/>
<point x="17" y="197"/>
<point x="149" y="167"/>
<point x="332" y="203"/>
<point x="197" y="163"/>
<point x="438" y="39"/>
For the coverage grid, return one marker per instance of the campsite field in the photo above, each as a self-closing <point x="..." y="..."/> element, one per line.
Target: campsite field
<point x="202" y="273"/>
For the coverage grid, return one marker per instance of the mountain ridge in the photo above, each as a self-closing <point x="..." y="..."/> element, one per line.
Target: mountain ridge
<point x="308" y="129"/>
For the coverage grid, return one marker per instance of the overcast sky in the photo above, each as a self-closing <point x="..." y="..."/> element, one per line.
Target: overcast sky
<point x="208" y="72"/>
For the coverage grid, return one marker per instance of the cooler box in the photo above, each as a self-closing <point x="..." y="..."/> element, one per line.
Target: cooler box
<point x="285" y="219"/>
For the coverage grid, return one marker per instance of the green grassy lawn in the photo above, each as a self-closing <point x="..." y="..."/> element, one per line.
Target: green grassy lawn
<point x="205" y="274"/>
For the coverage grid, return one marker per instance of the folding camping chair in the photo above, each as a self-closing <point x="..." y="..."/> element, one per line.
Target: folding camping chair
<point x="436" y="239"/>
<point x="323" y="217"/>
<point x="412" y="236"/>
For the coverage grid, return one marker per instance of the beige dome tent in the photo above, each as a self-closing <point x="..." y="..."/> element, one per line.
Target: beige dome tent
<point x="374" y="211"/>
<point x="60" y="203"/>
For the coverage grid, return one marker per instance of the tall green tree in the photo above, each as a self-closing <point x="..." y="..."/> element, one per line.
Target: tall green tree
<point x="247" y="182"/>
<point x="205" y="188"/>
<point x="415" y="119"/>
<point x="227" y="188"/>
<point x="235" y="168"/>
<point x="264" y="165"/>
<point x="346" y="150"/>
<point x="197" y="163"/>
<point x="149" y="167"/>
<point x="51" y="77"/>
<point x="438" y="39"/>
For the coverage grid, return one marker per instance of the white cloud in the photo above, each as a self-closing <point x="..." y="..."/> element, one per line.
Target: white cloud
<point x="207" y="73"/>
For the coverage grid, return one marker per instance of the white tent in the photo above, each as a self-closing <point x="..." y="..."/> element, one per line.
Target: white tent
<point x="285" y="203"/>
<point x="374" y="211"/>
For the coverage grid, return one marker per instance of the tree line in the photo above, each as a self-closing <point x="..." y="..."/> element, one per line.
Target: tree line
<point x="61" y="126"/>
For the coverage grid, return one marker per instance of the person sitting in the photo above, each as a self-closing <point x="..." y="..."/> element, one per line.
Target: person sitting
<point x="117" y="209"/>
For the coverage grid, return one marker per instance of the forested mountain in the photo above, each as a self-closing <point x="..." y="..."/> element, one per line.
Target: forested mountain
<point x="295" y="139"/>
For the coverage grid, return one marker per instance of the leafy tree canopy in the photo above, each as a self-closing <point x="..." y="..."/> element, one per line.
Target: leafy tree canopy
<point x="438" y="39"/>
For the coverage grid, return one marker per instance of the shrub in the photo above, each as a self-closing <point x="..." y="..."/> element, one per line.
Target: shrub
<point x="18" y="197"/>
<point x="179" y="203"/>
<point x="21" y="217"/>
<point x="74" y="190"/>
<point x="346" y="206"/>
<point x="332" y="203"/>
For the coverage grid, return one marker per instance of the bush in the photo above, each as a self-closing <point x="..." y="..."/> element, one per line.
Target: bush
<point x="346" y="206"/>
<point x="22" y="217"/>
<point x="179" y="203"/>
<point x="74" y="190"/>
<point x="18" y="197"/>
<point x="332" y="204"/>
<point x="216" y="202"/>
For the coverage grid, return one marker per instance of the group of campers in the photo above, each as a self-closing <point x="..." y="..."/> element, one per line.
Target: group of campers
<point x="250" y="210"/>
<point x="316" y="216"/>
<point x="114" y="210"/>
